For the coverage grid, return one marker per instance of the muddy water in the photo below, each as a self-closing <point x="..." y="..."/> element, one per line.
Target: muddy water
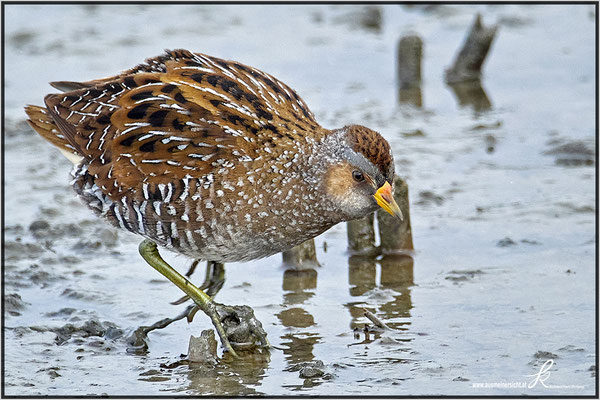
<point x="502" y="207"/>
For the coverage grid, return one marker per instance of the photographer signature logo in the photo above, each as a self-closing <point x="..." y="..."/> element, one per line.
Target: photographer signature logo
<point x="539" y="378"/>
<point x="542" y="375"/>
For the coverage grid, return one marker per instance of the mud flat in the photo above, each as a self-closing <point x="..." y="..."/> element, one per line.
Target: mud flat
<point x="502" y="277"/>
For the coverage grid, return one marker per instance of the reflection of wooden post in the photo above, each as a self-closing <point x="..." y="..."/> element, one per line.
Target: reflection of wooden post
<point x="397" y="271"/>
<point x="297" y="284"/>
<point x="362" y="273"/>
<point x="468" y="62"/>
<point x="371" y="18"/>
<point x="299" y="280"/>
<point x="361" y="236"/>
<point x="410" y="52"/>
<point x="471" y="93"/>
<point x="304" y="254"/>
<point x="396" y="236"/>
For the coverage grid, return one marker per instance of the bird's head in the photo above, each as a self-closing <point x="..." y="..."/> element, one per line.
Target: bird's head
<point x="361" y="176"/>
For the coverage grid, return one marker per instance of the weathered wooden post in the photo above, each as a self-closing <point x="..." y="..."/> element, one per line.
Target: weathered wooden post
<point x="468" y="62"/>
<point x="410" y="53"/>
<point x="304" y="254"/>
<point x="464" y="77"/>
<point x="361" y="236"/>
<point x="396" y="236"/>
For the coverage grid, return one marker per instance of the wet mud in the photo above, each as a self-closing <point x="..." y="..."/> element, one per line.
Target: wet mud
<point x="502" y="212"/>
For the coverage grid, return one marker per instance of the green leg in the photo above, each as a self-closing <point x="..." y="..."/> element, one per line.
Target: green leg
<point x="213" y="280"/>
<point x="149" y="252"/>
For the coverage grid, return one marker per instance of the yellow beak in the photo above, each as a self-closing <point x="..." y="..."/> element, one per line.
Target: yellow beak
<point x="386" y="201"/>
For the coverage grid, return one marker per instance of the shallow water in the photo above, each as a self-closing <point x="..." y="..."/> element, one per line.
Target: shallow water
<point x="503" y="275"/>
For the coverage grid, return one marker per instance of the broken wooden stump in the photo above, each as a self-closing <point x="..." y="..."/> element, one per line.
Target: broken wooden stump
<point x="396" y="236"/>
<point x="361" y="236"/>
<point x="464" y="77"/>
<point x="468" y="62"/>
<point x="305" y="254"/>
<point x="410" y="53"/>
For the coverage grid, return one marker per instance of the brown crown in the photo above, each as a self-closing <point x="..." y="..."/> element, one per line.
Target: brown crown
<point x="374" y="147"/>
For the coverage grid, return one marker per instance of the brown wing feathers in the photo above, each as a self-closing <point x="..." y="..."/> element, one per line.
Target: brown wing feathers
<point x="173" y="115"/>
<point x="41" y="121"/>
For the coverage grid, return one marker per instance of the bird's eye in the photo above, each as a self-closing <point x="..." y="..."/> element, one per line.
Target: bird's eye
<point x="358" y="176"/>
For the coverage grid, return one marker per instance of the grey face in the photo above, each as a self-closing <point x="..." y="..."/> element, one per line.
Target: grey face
<point x="366" y="167"/>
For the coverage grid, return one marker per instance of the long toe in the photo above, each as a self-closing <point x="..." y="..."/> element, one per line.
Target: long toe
<point x="242" y="327"/>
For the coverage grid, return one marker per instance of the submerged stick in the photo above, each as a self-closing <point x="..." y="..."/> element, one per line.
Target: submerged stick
<point x="468" y="62"/>
<point x="376" y="321"/>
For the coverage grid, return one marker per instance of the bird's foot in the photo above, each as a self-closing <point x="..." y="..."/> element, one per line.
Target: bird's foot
<point x="243" y="329"/>
<point x="240" y="321"/>
<point x="240" y="326"/>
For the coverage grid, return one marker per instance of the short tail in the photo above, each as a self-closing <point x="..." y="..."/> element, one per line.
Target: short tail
<point x="41" y="121"/>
